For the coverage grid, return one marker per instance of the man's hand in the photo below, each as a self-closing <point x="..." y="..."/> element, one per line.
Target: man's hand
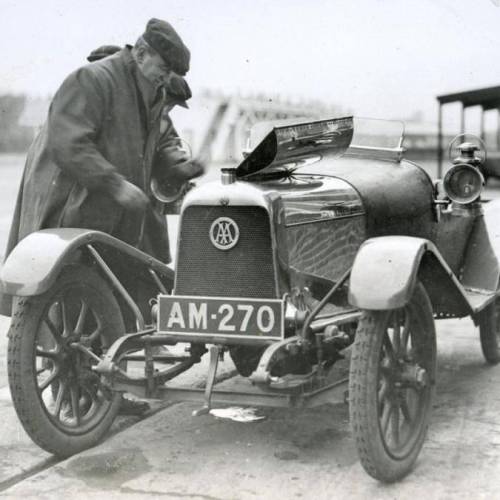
<point x="187" y="170"/>
<point x="128" y="195"/>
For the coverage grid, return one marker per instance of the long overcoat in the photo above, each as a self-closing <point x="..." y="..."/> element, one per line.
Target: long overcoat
<point x="99" y="127"/>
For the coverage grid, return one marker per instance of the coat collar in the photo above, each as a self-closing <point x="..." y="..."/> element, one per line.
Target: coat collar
<point x="144" y="88"/>
<point x="126" y="56"/>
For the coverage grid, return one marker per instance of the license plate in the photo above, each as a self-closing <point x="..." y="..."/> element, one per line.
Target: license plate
<point x="221" y="316"/>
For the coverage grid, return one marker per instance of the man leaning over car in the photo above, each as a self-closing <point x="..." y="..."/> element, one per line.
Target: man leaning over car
<point x="91" y="165"/>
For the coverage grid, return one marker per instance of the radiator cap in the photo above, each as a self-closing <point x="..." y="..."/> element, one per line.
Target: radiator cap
<point x="228" y="175"/>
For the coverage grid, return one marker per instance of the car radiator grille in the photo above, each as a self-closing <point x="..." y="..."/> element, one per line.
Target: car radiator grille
<point x="246" y="270"/>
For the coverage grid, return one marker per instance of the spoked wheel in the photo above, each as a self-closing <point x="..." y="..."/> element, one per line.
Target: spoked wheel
<point x="489" y="332"/>
<point x="61" y="402"/>
<point x="391" y="385"/>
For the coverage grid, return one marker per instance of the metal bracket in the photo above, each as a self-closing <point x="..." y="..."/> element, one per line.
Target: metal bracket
<point x="139" y="319"/>
<point x="215" y="352"/>
<point x="130" y="341"/>
<point x="262" y="375"/>
<point x="322" y="303"/>
<point x="149" y="368"/>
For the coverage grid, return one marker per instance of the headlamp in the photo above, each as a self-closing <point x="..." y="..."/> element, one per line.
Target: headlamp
<point x="463" y="183"/>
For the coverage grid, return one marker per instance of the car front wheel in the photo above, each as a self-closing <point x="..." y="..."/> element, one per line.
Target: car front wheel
<point x="391" y="386"/>
<point x="60" y="400"/>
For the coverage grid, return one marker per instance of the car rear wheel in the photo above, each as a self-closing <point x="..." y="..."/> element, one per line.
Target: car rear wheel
<point x="391" y="386"/>
<point x="489" y="332"/>
<point x="61" y="402"/>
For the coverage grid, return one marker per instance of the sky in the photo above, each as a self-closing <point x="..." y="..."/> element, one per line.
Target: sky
<point x="378" y="58"/>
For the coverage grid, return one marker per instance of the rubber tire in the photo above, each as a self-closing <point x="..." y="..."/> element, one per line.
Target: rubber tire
<point x="22" y="336"/>
<point x="363" y="380"/>
<point x="489" y="333"/>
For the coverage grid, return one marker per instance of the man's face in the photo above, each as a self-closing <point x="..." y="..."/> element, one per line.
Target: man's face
<point x="153" y="67"/>
<point x="169" y="105"/>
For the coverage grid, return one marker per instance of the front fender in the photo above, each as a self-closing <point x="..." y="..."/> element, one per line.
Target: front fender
<point x="34" y="264"/>
<point x="386" y="269"/>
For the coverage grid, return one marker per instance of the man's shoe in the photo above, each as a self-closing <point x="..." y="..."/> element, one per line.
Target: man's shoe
<point x="133" y="407"/>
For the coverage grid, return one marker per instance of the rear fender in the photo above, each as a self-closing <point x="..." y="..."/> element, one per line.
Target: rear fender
<point x="34" y="264"/>
<point x="386" y="270"/>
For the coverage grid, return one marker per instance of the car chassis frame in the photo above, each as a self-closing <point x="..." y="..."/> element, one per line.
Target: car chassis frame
<point x="267" y="391"/>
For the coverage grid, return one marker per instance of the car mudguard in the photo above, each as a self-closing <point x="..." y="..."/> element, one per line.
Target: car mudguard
<point x="34" y="264"/>
<point x="481" y="267"/>
<point x="386" y="269"/>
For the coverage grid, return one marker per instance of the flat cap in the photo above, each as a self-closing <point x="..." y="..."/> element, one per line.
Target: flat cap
<point x="162" y="37"/>
<point x="178" y="89"/>
<point x="102" y="51"/>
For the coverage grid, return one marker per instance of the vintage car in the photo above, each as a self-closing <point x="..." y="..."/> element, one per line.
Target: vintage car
<point x="324" y="244"/>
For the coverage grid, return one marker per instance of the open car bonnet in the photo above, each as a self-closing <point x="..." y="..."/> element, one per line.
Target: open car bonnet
<point x="287" y="147"/>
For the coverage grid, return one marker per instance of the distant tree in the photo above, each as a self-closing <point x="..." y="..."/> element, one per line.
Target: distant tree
<point x="11" y="108"/>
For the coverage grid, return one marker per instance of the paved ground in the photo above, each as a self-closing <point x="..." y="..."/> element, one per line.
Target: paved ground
<point x="292" y="454"/>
